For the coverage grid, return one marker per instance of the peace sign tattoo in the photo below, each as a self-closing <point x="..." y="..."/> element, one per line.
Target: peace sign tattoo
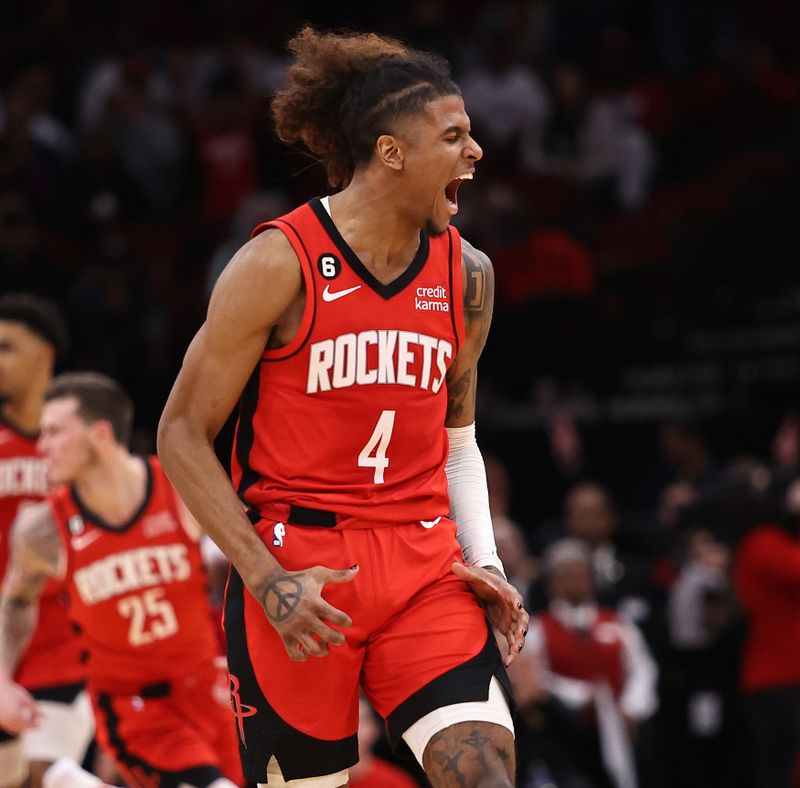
<point x="282" y="597"/>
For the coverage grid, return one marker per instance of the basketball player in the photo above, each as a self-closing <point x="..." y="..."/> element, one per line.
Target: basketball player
<point x="350" y="330"/>
<point x="118" y="535"/>
<point x="32" y="334"/>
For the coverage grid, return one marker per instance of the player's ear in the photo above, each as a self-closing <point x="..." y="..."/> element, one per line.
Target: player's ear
<point x="102" y="430"/>
<point x="390" y="151"/>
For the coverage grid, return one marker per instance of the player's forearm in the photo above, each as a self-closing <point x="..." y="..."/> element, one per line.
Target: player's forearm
<point x="190" y="463"/>
<point x="18" y="617"/>
<point x="469" y="499"/>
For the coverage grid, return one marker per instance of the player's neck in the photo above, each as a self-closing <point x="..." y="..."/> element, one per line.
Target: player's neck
<point x="115" y="486"/>
<point x="25" y="413"/>
<point x="366" y="216"/>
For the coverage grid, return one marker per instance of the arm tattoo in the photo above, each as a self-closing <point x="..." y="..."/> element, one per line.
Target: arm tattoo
<point x="282" y="598"/>
<point x="478" y="293"/>
<point x="457" y="393"/>
<point x="35" y="556"/>
<point x="462" y="378"/>
<point x="18" y="616"/>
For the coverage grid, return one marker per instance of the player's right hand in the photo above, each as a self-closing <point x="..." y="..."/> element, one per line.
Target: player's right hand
<point x="18" y="709"/>
<point x="294" y="606"/>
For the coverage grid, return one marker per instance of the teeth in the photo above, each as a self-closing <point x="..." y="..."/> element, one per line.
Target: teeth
<point x="467" y="176"/>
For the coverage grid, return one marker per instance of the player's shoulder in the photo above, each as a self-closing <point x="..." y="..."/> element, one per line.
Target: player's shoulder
<point x="35" y="537"/>
<point x="267" y="259"/>
<point x="474" y="258"/>
<point x="13" y="442"/>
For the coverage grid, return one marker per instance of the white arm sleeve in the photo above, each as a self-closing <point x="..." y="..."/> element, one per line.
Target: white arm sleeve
<point x="639" y="699"/>
<point x="469" y="498"/>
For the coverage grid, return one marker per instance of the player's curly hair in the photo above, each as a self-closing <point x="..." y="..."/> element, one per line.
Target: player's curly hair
<point x="346" y="89"/>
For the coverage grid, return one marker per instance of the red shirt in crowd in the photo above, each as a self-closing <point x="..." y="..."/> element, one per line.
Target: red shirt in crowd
<point x="767" y="579"/>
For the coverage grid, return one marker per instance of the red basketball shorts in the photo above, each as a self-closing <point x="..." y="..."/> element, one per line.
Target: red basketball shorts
<point x="171" y="733"/>
<point x="419" y="641"/>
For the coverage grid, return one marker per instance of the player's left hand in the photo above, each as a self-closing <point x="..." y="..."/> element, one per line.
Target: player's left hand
<point x="502" y="603"/>
<point x="18" y="709"/>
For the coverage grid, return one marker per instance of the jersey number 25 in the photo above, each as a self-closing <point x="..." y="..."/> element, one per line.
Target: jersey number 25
<point x="152" y="617"/>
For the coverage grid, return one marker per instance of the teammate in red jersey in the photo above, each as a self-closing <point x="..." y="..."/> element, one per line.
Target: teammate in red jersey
<point x="32" y="334"/>
<point x="129" y="553"/>
<point x="350" y="331"/>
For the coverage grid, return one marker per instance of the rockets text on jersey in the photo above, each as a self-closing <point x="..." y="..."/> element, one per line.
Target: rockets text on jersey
<point x="349" y="416"/>
<point x="53" y="656"/>
<point x="138" y="591"/>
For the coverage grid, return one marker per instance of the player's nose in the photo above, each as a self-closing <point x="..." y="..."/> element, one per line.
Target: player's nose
<point x="473" y="151"/>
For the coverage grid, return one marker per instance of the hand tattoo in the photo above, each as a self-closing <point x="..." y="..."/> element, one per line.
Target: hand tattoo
<point x="282" y="598"/>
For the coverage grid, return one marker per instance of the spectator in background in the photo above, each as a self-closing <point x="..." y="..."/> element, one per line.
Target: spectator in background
<point x="253" y="209"/>
<point x="703" y="576"/>
<point x="35" y="149"/>
<point x="149" y="143"/>
<point x="767" y="580"/>
<point x="591" y="142"/>
<point x="596" y="672"/>
<point x="226" y="147"/>
<point x="506" y="98"/>
<point x="512" y="545"/>
<point x="620" y="576"/>
<point x="24" y="263"/>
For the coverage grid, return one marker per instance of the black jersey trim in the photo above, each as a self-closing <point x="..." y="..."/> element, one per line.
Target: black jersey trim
<point x="265" y="733"/>
<point x="464" y="683"/>
<point x="385" y="291"/>
<point x="200" y="775"/>
<point x="28" y="436"/>
<point x="452" y="293"/>
<point x="245" y="434"/>
<point x="95" y="519"/>
<point x="278" y="356"/>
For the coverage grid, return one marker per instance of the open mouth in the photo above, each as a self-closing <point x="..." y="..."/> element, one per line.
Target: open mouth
<point x="451" y="192"/>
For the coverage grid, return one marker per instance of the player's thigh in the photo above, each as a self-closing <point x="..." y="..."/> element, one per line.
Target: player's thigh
<point x="438" y="652"/>
<point x="471" y="755"/>
<point x="64" y="731"/>
<point x="472" y="742"/>
<point x="13" y="766"/>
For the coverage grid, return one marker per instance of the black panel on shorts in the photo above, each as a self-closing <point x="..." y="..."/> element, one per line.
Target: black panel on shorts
<point x="464" y="683"/>
<point x="62" y="693"/>
<point x="264" y="733"/>
<point x="200" y="775"/>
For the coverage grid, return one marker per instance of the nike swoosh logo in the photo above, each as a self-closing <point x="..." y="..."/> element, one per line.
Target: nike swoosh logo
<point x="82" y="542"/>
<point x="327" y="295"/>
<point x="430" y="523"/>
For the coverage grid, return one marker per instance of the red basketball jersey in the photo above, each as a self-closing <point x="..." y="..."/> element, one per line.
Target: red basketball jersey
<point x="54" y="654"/>
<point x="349" y="416"/>
<point x="138" y="592"/>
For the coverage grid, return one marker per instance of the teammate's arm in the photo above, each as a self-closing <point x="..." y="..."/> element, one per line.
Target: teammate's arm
<point x="259" y="285"/>
<point x="466" y="474"/>
<point x="36" y="555"/>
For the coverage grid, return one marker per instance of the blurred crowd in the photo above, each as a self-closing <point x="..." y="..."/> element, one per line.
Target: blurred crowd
<point x="638" y="196"/>
<point x="664" y="645"/>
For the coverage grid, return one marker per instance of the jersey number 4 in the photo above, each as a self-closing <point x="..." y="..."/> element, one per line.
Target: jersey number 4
<point x="373" y="455"/>
<point x="152" y="617"/>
